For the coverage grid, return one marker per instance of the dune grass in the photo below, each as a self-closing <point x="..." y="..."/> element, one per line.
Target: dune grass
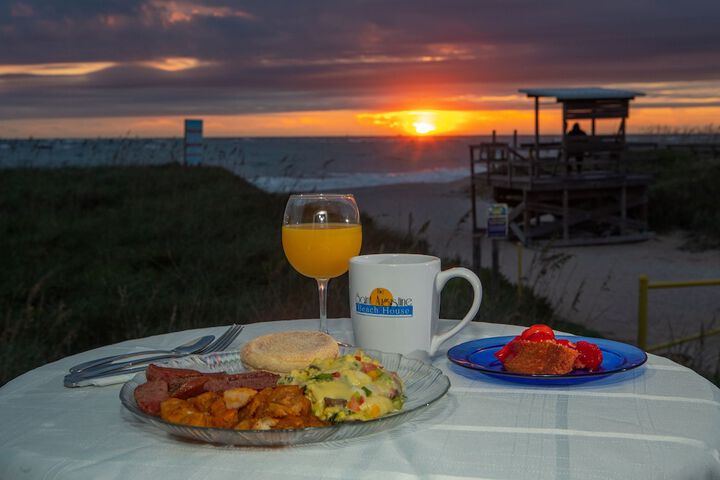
<point x="100" y="255"/>
<point x="684" y="196"/>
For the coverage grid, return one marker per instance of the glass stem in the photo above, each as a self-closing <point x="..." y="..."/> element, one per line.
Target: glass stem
<point x="322" y="295"/>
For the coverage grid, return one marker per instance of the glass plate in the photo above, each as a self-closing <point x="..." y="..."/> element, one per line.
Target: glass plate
<point x="424" y="384"/>
<point x="480" y="355"/>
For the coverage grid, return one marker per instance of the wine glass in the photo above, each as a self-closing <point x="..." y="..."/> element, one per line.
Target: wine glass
<point x="320" y="233"/>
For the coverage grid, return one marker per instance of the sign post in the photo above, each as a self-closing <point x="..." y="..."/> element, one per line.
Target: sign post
<point x="497" y="228"/>
<point x="193" y="152"/>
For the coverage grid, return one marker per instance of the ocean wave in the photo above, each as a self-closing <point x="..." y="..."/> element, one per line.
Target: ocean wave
<point x="338" y="181"/>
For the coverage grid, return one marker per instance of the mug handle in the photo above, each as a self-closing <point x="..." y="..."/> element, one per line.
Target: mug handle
<point x="440" y="280"/>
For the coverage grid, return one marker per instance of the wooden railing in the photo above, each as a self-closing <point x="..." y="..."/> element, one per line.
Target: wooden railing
<point x="644" y="286"/>
<point x="500" y="158"/>
<point x="578" y="156"/>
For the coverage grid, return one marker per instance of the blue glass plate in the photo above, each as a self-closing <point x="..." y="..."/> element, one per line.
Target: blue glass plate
<point x="480" y="355"/>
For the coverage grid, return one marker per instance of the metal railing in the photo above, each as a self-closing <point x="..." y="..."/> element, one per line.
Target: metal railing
<point x="645" y="285"/>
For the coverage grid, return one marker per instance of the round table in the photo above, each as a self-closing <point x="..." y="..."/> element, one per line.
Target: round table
<point x="658" y="421"/>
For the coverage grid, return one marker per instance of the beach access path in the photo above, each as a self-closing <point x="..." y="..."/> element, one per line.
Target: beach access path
<point x="594" y="286"/>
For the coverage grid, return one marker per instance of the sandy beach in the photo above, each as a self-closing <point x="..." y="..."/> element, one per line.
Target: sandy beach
<point x="596" y="286"/>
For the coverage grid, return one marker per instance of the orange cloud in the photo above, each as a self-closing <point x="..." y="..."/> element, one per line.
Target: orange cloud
<point x="175" y="64"/>
<point x="169" y="64"/>
<point x="186" y="11"/>
<point x="50" y="69"/>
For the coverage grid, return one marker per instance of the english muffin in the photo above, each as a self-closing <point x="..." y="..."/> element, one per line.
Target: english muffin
<point x="285" y="351"/>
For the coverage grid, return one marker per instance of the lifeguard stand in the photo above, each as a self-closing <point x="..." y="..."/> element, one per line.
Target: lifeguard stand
<point x="577" y="191"/>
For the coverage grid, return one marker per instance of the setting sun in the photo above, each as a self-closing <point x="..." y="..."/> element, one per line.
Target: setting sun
<point x="423" y="128"/>
<point x="419" y="122"/>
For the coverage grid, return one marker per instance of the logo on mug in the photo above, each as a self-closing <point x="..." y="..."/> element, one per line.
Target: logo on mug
<point x="381" y="303"/>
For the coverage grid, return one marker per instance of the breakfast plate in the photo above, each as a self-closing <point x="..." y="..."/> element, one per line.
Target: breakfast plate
<point x="480" y="355"/>
<point x="424" y="384"/>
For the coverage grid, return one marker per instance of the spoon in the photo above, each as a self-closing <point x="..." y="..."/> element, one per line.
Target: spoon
<point x="184" y="349"/>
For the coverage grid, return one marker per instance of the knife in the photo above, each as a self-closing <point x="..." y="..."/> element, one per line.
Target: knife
<point x="101" y="379"/>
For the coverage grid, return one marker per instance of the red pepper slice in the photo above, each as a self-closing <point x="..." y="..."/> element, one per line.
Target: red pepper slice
<point x="355" y="402"/>
<point x="367" y="367"/>
<point x="538" y="328"/>
<point x="540" y="337"/>
<point x="590" y="356"/>
<point x="503" y="353"/>
<point x="566" y="343"/>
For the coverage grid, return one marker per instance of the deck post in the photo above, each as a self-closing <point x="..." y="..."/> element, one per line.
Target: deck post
<point x="488" y="151"/>
<point x="645" y="212"/>
<point x="565" y="220"/>
<point x="564" y="143"/>
<point x="537" y="125"/>
<point x="477" y="252"/>
<point x="623" y="209"/>
<point x="472" y="186"/>
<point x="526" y="217"/>
<point x="495" y="259"/>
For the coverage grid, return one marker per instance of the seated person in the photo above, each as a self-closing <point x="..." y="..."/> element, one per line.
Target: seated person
<point x="576" y="131"/>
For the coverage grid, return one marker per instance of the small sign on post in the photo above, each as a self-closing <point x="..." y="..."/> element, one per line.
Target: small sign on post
<point x="497" y="229"/>
<point x="193" y="142"/>
<point x="497" y="223"/>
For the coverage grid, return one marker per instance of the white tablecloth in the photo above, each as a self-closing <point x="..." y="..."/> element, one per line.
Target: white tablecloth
<point x="661" y="421"/>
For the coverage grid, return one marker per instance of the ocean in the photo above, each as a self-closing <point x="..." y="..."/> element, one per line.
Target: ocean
<point x="275" y="164"/>
<point x="272" y="164"/>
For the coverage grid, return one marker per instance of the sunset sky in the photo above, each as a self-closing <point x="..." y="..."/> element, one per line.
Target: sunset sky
<point x="84" y="68"/>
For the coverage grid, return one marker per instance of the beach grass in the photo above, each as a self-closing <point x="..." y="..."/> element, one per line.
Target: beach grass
<point x="94" y="256"/>
<point x="684" y="196"/>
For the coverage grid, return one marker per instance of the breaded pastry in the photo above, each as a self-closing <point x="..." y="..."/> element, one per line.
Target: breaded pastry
<point x="540" y="358"/>
<point x="283" y="352"/>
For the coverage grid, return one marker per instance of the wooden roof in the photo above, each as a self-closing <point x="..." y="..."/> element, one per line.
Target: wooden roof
<point x="586" y="93"/>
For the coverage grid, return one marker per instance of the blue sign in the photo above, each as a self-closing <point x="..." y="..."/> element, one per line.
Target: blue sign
<point x="382" y="311"/>
<point x="497" y="223"/>
<point x="193" y="142"/>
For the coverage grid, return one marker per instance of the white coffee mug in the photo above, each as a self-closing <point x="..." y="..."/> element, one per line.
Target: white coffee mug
<point x="395" y="301"/>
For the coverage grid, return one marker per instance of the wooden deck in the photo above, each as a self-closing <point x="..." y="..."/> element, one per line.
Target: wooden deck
<point x="554" y="203"/>
<point x="576" y="191"/>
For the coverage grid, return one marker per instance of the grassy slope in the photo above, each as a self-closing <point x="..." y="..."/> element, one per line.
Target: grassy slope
<point x="96" y="256"/>
<point x="685" y="196"/>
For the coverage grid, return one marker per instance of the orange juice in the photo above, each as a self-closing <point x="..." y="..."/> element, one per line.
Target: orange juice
<point x="321" y="250"/>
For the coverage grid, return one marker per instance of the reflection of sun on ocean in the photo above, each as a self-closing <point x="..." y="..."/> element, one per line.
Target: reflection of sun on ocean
<point x="381" y="297"/>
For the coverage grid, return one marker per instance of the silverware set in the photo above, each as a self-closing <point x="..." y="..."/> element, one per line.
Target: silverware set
<point x="82" y="374"/>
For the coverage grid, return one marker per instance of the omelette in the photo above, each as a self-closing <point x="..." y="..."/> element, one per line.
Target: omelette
<point x="348" y="388"/>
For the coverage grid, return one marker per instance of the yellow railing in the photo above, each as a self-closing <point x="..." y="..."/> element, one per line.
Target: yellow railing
<point x="645" y="285"/>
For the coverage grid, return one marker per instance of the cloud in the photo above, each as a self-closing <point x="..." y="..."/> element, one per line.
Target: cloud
<point x="164" y="57"/>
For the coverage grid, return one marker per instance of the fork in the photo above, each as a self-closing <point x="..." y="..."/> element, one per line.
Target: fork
<point x="193" y="346"/>
<point x="220" y="344"/>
